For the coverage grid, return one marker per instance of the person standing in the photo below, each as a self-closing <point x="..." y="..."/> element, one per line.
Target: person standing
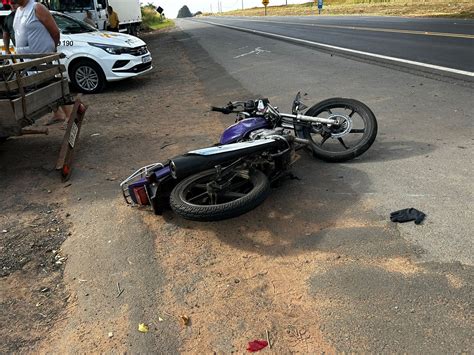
<point x="37" y="32"/>
<point x="7" y="27"/>
<point x="35" y="29"/>
<point x="89" y="20"/>
<point x="113" y="20"/>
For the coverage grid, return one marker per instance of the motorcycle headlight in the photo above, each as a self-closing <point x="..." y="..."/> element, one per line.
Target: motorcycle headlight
<point x="109" y="48"/>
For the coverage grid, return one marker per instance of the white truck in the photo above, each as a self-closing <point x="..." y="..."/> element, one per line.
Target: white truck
<point x="128" y="11"/>
<point x="129" y="14"/>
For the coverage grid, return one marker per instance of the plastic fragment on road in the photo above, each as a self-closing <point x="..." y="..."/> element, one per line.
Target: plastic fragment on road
<point x="257" y="345"/>
<point x="143" y="328"/>
<point x="185" y="320"/>
<point x="407" y="215"/>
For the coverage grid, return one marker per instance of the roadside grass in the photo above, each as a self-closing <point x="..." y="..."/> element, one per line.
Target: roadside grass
<point x="161" y="24"/>
<point x="429" y="8"/>
<point x="151" y="20"/>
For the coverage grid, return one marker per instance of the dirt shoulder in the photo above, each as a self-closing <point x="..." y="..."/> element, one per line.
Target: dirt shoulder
<point x="31" y="278"/>
<point x="343" y="281"/>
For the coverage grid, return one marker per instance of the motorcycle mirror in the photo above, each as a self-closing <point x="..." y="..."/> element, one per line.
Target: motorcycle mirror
<point x="296" y="104"/>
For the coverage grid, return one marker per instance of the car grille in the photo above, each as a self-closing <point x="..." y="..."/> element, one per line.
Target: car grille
<point x="137" y="51"/>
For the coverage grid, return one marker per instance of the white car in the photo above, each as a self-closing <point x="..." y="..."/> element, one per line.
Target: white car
<point x="95" y="57"/>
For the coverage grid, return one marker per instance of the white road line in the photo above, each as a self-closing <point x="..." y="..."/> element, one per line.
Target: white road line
<point x="256" y="51"/>
<point x="348" y="50"/>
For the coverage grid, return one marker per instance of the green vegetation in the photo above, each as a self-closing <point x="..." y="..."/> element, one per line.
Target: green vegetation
<point x="446" y="8"/>
<point x="162" y="24"/>
<point x="152" y="20"/>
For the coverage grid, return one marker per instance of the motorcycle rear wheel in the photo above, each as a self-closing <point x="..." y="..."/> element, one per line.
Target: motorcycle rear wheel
<point x="191" y="200"/>
<point x="336" y="144"/>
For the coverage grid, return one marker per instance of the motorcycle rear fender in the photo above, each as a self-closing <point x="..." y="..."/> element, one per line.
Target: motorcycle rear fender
<point x="135" y="187"/>
<point x="159" y="193"/>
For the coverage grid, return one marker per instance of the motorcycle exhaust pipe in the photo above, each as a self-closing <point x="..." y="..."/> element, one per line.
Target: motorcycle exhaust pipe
<point x="302" y="141"/>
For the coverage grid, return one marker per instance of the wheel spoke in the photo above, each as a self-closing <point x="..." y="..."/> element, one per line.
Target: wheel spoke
<point x="324" y="140"/>
<point x="213" y="197"/>
<point x="197" y="196"/>
<point x="357" y="130"/>
<point x="352" y="113"/>
<point x="237" y="185"/>
<point x="233" y="194"/>
<point x="233" y="191"/>
<point x="342" y="142"/>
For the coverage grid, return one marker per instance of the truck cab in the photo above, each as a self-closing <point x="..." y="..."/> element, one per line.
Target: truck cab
<point x="78" y="8"/>
<point x="129" y="12"/>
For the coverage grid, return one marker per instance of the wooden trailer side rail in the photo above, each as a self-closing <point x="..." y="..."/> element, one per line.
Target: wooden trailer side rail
<point x="64" y="163"/>
<point x="31" y="86"/>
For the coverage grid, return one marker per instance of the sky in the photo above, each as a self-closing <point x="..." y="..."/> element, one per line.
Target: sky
<point x="171" y="7"/>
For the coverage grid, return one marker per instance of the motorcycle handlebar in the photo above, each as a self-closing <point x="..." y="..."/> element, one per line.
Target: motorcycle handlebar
<point x="242" y="105"/>
<point x="224" y="110"/>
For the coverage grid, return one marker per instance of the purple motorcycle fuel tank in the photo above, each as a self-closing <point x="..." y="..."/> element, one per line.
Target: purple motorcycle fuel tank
<point x="240" y="129"/>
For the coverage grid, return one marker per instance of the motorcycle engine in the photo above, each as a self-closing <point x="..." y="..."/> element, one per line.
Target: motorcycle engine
<point x="263" y="133"/>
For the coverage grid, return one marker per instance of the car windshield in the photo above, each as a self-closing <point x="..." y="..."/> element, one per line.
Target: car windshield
<point x="71" y="5"/>
<point x="68" y="25"/>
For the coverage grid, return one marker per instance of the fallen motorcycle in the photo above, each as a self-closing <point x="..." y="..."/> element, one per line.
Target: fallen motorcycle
<point x="235" y="175"/>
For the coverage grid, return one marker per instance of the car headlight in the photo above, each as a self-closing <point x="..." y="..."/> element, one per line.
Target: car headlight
<point x="109" y="48"/>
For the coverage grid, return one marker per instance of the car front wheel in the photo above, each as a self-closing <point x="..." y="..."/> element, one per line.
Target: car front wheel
<point x="87" y="76"/>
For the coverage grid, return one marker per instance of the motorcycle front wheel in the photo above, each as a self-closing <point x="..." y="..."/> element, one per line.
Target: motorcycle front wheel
<point x="352" y="137"/>
<point x="198" y="199"/>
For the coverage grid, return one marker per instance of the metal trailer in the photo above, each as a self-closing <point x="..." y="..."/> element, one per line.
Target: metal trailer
<point x="31" y="86"/>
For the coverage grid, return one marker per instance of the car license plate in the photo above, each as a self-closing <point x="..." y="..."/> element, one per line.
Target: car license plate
<point x="73" y="134"/>
<point x="146" y="59"/>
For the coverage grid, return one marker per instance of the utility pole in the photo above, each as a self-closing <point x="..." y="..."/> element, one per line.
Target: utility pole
<point x="242" y="4"/>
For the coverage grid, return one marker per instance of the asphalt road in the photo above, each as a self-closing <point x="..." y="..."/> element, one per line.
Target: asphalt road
<point x="442" y="42"/>
<point x="423" y="154"/>
<point x="422" y="158"/>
